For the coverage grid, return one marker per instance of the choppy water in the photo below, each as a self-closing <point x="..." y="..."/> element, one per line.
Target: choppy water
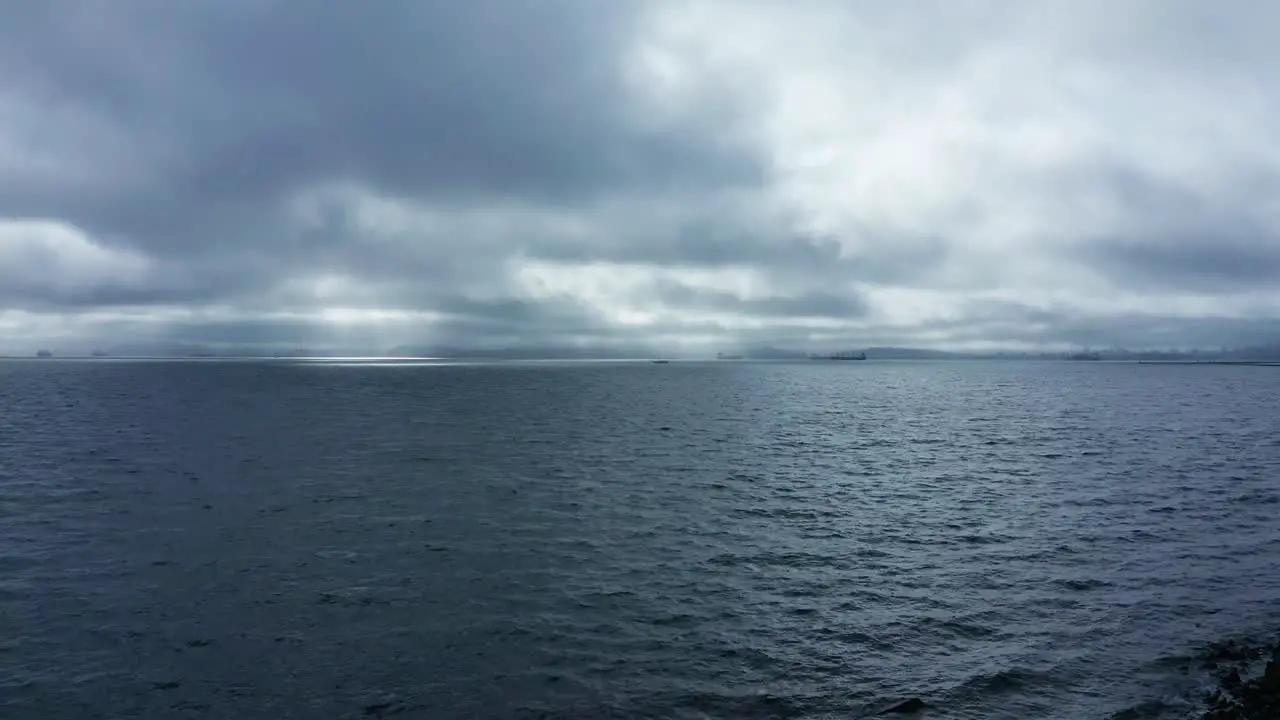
<point x="736" y="540"/>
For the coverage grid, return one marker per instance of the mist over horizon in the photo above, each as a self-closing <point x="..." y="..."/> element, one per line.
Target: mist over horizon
<point x="679" y="177"/>
<point x="1266" y="354"/>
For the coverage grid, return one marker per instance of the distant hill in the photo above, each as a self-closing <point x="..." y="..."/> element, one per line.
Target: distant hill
<point x="898" y="353"/>
<point x="196" y="350"/>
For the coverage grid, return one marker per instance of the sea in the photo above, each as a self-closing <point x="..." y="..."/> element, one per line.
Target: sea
<point x="365" y="539"/>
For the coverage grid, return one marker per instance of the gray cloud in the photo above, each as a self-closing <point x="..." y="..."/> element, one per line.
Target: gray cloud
<point x="813" y="304"/>
<point x="1216" y="261"/>
<point x="1023" y="326"/>
<point x="1184" y="239"/>
<point x="567" y="171"/>
<point x="230" y="109"/>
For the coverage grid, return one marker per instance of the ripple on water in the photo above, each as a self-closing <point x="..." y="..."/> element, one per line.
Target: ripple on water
<point x="996" y="540"/>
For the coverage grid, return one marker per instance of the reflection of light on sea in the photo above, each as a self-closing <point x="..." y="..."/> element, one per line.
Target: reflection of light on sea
<point x="364" y="358"/>
<point x="378" y="362"/>
<point x="450" y="362"/>
<point x="393" y="364"/>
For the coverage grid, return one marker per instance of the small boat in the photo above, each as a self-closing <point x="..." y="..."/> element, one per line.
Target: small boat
<point x="659" y="362"/>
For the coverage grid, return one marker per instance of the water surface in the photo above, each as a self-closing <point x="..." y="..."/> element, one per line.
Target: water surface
<point x="630" y="540"/>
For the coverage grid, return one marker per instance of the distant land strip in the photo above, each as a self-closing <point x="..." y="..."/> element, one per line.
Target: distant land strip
<point x="1258" y="363"/>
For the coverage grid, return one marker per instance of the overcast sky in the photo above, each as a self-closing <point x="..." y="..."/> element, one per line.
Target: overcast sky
<point x="936" y="173"/>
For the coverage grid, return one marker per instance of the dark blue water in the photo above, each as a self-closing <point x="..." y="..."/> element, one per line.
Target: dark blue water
<point x="714" y="540"/>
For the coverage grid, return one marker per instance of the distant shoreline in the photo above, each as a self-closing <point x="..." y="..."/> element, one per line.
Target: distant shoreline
<point x="1255" y="363"/>
<point x="622" y="359"/>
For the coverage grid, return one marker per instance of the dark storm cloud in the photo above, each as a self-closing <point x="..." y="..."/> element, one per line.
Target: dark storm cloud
<point x="187" y="128"/>
<point x="258" y="331"/>
<point x="233" y="107"/>
<point x="486" y="170"/>
<point x="62" y="299"/>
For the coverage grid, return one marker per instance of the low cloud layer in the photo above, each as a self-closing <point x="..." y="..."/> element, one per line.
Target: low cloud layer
<point x="695" y="173"/>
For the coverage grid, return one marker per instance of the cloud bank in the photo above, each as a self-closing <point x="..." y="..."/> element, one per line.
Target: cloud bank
<point x="692" y="174"/>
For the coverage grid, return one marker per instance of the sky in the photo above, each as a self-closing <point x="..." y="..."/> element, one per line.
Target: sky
<point x="690" y="174"/>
